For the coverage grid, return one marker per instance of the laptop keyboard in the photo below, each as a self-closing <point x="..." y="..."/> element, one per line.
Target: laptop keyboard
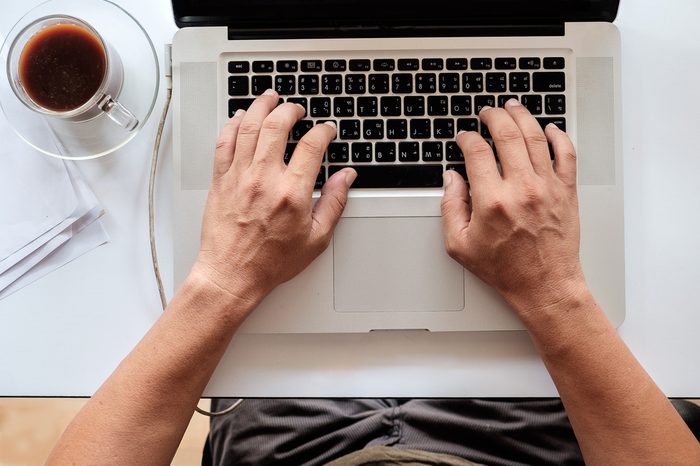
<point x="398" y="118"/>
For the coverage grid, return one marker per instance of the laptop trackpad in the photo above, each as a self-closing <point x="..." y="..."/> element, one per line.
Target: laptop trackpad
<point x="394" y="265"/>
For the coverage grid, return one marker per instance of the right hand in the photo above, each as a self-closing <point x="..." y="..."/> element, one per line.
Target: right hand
<point x="518" y="232"/>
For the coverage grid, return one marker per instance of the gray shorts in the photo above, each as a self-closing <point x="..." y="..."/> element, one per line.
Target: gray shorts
<point x="311" y="432"/>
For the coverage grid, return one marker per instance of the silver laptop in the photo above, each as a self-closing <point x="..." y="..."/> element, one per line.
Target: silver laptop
<point x="401" y="78"/>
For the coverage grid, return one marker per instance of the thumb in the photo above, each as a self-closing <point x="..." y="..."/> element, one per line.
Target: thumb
<point x="330" y="206"/>
<point x="456" y="211"/>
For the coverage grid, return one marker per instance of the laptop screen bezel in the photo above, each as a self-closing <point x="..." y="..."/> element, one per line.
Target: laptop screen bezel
<point x="465" y="13"/>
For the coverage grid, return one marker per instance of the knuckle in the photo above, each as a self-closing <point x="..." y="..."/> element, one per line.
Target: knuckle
<point x="312" y="144"/>
<point x="274" y="124"/>
<point x="479" y="147"/>
<point x="250" y="127"/>
<point x="535" y="139"/>
<point x="508" y="134"/>
<point x="496" y="208"/>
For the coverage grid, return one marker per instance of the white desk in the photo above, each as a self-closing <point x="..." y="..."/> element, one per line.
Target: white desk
<point x="63" y="335"/>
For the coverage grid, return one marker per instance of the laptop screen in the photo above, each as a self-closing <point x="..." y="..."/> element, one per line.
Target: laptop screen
<point x="269" y="14"/>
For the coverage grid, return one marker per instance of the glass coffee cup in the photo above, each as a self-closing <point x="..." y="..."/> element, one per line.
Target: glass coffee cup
<point x="60" y="66"/>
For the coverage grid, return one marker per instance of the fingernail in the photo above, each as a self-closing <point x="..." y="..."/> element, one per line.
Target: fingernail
<point x="447" y="179"/>
<point x="239" y="113"/>
<point x="552" y="125"/>
<point x="270" y="92"/>
<point x="331" y="124"/>
<point x="301" y="107"/>
<point x="513" y="103"/>
<point x="484" y="108"/>
<point x="350" y="176"/>
<point x="461" y="132"/>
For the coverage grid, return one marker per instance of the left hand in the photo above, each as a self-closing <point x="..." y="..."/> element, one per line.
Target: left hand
<point x="260" y="225"/>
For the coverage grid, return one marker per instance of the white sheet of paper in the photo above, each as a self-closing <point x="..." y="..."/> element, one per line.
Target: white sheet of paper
<point x="36" y="193"/>
<point x="87" y="239"/>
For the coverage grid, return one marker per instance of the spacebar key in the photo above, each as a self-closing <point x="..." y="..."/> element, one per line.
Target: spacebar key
<point x="395" y="176"/>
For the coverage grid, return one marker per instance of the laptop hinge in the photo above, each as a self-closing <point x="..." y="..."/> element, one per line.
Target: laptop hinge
<point x="382" y="32"/>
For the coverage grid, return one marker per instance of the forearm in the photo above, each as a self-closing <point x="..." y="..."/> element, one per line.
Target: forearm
<point x="633" y="422"/>
<point x="141" y="412"/>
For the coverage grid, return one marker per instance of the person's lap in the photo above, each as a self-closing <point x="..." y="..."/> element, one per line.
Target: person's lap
<point x="310" y="431"/>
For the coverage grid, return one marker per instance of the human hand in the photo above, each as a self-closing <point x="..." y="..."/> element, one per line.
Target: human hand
<point x="518" y="232"/>
<point x="260" y="227"/>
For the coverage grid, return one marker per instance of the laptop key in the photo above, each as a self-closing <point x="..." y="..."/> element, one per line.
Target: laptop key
<point x="459" y="168"/>
<point x="238" y="104"/>
<point x="555" y="104"/>
<point x="420" y="129"/>
<point x="238" y="67"/>
<point x="238" y="85"/>
<point x="454" y="153"/>
<point x="287" y="66"/>
<point x="285" y="85"/>
<point x="385" y="152"/>
<point x="519" y="82"/>
<point x="432" y="152"/>
<point x="309" y="84"/>
<point x="338" y="152"/>
<point x="502" y="99"/>
<point x="402" y="83"/>
<point x="467" y="124"/>
<point x="549" y="81"/>
<point x="343" y="107"/>
<point x="481" y="63"/>
<point x="355" y="84"/>
<point x="554" y="63"/>
<point x="320" y="107"/>
<point x="533" y="103"/>
<point x="472" y="82"/>
<point x="361" y="153"/>
<point x="261" y="84"/>
<point x="444" y="128"/>
<point x="409" y="64"/>
<point x="433" y="64"/>
<point x="321" y="179"/>
<point x="391" y="106"/>
<point x="267" y="66"/>
<point x="384" y="64"/>
<point x="455" y="64"/>
<point x="560" y="122"/>
<point x="506" y="63"/>
<point x="378" y="83"/>
<point x="373" y="129"/>
<point x="449" y="83"/>
<point x="409" y="152"/>
<point x="301" y="128"/>
<point x="289" y="151"/>
<point x="438" y="105"/>
<point x="395" y="176"/>
<point x="482" y="101"/>
<point x="426" y="83"/>
<point x="461" y="105"/>
<point x="349" y="130"/>
<point x="530" y="63"/>
<point x="332" y="84"/>
<point x="414" y="106"/>
<point x="311" y="66"/>
<point x="367" y="107"/>
<point x="336" y="65"/>
<point x="360" y="65"/>
<point x="495" y="82"/>
<point x="396" y="129"/>
<point x="303" y="101"/>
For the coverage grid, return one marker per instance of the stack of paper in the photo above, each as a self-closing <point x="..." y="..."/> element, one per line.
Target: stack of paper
<point x="48" y="214"/>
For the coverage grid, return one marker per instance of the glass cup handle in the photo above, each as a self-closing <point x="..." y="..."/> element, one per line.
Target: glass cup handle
<point x="118" y="113"/>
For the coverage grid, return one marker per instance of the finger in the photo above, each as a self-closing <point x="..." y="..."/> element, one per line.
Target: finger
<point x="480" y="164"/>
<point x="534" y="137"/>
<point x="456" y="212"/>
<point x="329" y="208"/>
<point x="249" y="132"/>
<point x="308" y="156"/>
<point x="564" y="154"/>
<point x="275" y="133"/>
<point x="223" y="156"/>
<point x="510" y="144"/>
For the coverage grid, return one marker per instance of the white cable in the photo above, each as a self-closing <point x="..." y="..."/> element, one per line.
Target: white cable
<point x="151" y="205"/>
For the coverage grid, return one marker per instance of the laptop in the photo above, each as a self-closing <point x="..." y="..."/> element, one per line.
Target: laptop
<point x="400" y="79"/>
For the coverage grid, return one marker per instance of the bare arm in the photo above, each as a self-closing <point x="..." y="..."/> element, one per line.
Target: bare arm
<point x="260" y="229"/>
<point x="519" y="232"/>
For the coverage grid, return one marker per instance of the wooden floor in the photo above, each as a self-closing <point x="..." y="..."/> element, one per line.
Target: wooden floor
<point x="30" y="427"/>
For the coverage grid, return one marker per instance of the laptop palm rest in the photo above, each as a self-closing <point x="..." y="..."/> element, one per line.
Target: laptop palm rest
<point x="394" y="265"/>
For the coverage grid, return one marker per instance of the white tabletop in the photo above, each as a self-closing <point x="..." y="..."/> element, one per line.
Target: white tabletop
<point x="63" y="335"/>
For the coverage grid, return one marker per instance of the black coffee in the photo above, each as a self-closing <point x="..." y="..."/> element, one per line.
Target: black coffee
<point x="62" y="67"/>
